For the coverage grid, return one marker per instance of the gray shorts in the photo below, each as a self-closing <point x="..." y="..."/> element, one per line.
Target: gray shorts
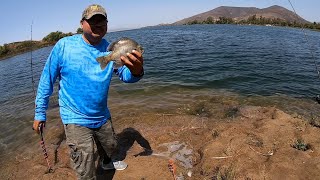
<point x="81" y="141"/>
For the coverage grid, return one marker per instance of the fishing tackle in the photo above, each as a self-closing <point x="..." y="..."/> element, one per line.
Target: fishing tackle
<point x="41" y="126"/>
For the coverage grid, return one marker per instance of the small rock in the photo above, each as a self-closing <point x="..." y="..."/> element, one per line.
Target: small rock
<point x="189" y="173"/>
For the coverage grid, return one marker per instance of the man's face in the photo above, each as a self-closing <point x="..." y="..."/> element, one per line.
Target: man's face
<point x="96" y="26"/>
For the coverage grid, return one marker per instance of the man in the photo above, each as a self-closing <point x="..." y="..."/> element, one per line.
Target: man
<point x="83" y="92"/>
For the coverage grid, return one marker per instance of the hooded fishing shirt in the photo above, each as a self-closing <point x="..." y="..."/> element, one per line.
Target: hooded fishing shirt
<point x="84" y="86"/>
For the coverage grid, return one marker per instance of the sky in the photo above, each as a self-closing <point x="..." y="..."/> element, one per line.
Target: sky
<point x="46" y="16"/>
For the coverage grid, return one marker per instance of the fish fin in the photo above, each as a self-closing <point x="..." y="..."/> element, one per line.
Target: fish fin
<point x="111" y="46"/>
<point x="141" y="49"/>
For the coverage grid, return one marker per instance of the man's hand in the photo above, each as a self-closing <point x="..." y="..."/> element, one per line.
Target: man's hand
<point x="37" y="124"/>
<point x="134" y="61"/>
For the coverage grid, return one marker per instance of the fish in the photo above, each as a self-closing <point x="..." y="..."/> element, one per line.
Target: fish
<point x="119" y="48"/>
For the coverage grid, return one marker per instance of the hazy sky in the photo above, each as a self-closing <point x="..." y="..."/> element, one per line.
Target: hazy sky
<point x="57" y="15"/>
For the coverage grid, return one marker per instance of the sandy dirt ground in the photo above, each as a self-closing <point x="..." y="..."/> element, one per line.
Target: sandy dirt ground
<point x="242" y="142"/>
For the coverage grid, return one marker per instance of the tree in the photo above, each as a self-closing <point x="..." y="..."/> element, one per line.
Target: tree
<point x="193" y="22"/>
<point x="209" y="20"/>
<point x="4" y="49"/>
<point x="225" y="20"/>
<point x="79" y="31"/>
<point x="221" y="20"/>
<point x="252" y="19"/>
<point x="55" y="36"/>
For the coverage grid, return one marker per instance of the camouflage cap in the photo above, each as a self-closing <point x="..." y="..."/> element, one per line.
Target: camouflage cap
<point x="93" y="10"/>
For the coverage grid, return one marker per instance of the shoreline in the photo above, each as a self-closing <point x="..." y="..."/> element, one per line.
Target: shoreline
<point x="41" y="44"/>
<point x="216" y="144"/>
<point x="18" y="48"/>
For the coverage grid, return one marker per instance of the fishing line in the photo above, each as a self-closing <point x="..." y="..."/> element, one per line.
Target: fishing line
<point x="31" y="64"/>
<point x="308" y="42"/>
<point x="310" y="48"/>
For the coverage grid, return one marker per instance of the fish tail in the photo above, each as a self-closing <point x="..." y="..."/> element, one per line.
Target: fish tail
<point x="104" y="60"/>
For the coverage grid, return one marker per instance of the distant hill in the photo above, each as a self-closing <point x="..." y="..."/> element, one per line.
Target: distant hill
<point x="243" y="13"/>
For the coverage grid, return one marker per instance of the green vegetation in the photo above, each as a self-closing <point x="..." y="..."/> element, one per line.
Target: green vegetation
<point x="55" y="36"/>
<point x="15" y="48"/>
<point x="301" y="145"/>
<point x="79" y="31"/>
<point x="12" y="49"/>
<point x="257" y="21"/>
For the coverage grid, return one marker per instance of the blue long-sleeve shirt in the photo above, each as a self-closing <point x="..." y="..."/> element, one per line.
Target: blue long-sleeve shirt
<point x="84" y="86"/>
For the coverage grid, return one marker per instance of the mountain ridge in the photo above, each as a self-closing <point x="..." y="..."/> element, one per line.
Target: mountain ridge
<point x="243" y="13"/>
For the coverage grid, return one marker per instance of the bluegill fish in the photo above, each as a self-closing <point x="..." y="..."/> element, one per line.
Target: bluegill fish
<point x="119" y="48"/>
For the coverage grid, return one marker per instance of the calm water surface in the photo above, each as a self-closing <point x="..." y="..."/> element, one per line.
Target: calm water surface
<point x="267" y="66"/>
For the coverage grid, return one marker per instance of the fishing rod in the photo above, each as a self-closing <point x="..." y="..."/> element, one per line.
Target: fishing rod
<point x="43" y="146"/>
<point x="317" y="98"/>
<point x="41" y="126"/>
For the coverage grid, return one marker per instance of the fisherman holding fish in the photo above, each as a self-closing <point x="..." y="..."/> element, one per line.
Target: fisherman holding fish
<point x="84" y="67"/>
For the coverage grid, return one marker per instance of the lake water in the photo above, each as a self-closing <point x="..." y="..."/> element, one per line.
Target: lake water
<point x="185" y="65"/>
